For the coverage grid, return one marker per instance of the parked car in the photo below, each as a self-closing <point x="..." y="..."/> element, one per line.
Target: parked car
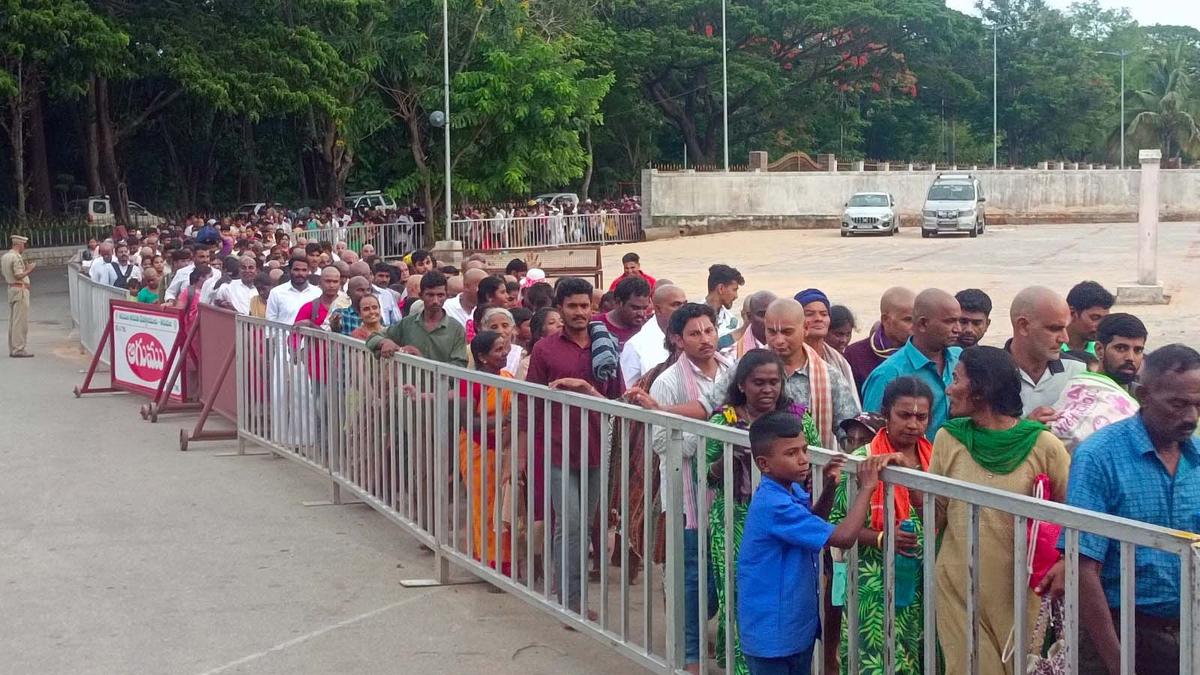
<point x="954" y="205"/>
<point x="559" y="199"/>
<point x="371" y="199"/>
<point x="98" y="212"/>
<point x="870" y="212"/>
<point x="256" y="208"/>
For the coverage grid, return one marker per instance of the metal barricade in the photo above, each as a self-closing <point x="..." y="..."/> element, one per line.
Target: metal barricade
<point x="453" y="456"/>
<point x="390" y="240"/>
<point x="89" y="307"/>
<point x="549" y="230"/>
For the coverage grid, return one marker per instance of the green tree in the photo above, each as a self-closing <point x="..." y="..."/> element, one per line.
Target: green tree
<point x="1163" y="114"/>
<point x="47" y="46"/>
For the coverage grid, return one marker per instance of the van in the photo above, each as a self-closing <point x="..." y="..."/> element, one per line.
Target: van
<point x="98" y="212"/>
<point x="371" y="199"/>
<point x="954" y="205"/>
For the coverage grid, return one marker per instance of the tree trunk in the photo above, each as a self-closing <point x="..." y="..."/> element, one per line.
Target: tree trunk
<point x="110" y="175"/>
<point x="585" y="189"/>
<point x="249" y="182"/>
<point x="39" y="166"/>
<point x="93" y="141"/>
<point x="337" y="158"/>
<point x="416" y="142"/>
<point x="16" y="135"/>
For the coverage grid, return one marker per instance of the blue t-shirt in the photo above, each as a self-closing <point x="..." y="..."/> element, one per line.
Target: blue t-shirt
<point x="909" y="361"/>
<point x="1117" y="471"/>
<point x="778" y="570"/>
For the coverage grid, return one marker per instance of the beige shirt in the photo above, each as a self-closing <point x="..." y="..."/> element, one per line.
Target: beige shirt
<point x="12" y="266"/>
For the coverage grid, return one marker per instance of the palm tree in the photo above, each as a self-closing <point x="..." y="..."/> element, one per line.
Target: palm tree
<point x="1163" y="113"/>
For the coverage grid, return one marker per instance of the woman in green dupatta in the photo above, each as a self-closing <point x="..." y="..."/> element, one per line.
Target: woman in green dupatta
<point x="756" y="389"/>
<point x="987" y="443"/>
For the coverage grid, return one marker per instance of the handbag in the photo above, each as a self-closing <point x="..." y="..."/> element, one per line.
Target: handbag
<point x="1050" y="618"/>
<point x="1042" y="539"/>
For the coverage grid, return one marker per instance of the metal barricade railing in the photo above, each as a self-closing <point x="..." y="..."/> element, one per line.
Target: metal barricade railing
<point x="89" y="307"/>
<point x="390" y="240"/>
<point x="451" y="455"/>
<point x="548" y="230"/>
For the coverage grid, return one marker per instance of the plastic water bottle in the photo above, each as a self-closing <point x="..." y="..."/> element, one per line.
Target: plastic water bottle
<point x="906" y="571"/>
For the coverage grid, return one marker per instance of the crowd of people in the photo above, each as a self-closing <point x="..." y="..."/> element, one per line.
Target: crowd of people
<point x="542" y="223"/>
<point x="1072" y="408"/>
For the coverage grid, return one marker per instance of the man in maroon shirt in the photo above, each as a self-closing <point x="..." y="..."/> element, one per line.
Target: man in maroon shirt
<point x="887" y="336"/>
<point x="633" y="306"/>
<point x="564" y="362"/>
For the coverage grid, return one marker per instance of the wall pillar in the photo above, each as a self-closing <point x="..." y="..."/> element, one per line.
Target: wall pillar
<point x="1147" y="290"/>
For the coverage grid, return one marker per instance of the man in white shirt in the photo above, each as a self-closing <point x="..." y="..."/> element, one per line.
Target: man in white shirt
<point x="1039" y="319"/>
<point x="101" y="270"/>
<point x="120" y="271"/>
<point x="389" y="310"/>
<point x="200" y="261"/>
<point x="286" y="299"/>
<point x="236" y="295"/>
<point x="647" y="348"/>
<point x="462" y="306"/>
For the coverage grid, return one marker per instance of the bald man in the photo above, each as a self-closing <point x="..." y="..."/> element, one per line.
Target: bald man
<point x="810" y="381"/>
<point x="930" y="356"/>
<point x="647" y="348"/>
<point x="462" y="306"/>
<point x="345" y="320"/>
<point x="236" y="295"/>
<point x="360" y="268"/>
<point x="1039" y="319"/>
<point x="886" y="337"/>
<point x="316" y="313"/>
<point x="754" y="322"/>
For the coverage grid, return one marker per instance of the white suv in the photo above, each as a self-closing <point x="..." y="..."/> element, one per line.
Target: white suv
<point x="371" y="199"/>
<point x="954" y="205"/>
<point x="98" y="212"/>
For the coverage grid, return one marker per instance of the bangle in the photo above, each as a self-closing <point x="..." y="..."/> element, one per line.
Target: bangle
<point x="879" y="540"/>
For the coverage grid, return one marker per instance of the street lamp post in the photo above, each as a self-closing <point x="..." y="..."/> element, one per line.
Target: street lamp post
<point x="1122" y="54"/>
<point x="724" y="88"/>
<point x="995" y="135"/>
<point x="446" y="104"/>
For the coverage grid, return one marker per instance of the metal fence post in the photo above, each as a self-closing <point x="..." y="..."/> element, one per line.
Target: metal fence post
<point x="673" y="585"/>
<point x="441" y="453"/>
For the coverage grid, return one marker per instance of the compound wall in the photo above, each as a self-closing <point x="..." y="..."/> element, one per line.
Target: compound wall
<point x="687" y="202"/>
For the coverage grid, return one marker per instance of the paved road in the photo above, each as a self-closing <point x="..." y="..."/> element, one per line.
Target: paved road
<point x="120" y="554"/>
<point x="855" y="271"/>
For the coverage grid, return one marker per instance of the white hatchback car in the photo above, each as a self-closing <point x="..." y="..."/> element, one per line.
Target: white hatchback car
<point x="870" y="212"/>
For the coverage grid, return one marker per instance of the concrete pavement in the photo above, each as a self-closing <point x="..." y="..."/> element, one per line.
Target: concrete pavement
<point x="120" y="554"/>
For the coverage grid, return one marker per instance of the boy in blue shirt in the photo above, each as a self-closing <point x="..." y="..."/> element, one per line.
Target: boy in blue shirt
<point x="777" y="567"/>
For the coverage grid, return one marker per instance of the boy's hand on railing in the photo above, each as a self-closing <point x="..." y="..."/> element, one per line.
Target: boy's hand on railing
<point x="640" y="397"/>
<point x="868" y="471"/>
<point x="832" y="473"/>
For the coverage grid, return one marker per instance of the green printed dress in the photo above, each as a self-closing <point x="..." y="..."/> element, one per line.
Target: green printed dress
<point x="909" y="620"/>
<point x="714" y="455"/>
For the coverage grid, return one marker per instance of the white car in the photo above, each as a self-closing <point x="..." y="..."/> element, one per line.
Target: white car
<point x="870" y="212"/>
<point x="98" y="212"/>
<point x="257" y="208"/>
<point x="560" y="200"/>
<point x="371" y="199"/>
<point x="954" y="205"/>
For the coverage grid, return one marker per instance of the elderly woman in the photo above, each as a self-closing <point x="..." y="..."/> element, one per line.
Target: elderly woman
<point x="987" y="443"/>
<point x="500" y="320"/>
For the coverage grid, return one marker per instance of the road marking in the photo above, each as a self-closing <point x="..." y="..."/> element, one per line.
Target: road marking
<point x="317" y="633"/>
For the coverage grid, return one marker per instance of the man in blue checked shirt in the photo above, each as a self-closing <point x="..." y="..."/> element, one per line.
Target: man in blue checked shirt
<point x="1143" y="468"/>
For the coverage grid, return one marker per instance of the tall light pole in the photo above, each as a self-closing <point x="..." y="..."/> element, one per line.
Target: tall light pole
<point x="724" y="87"/>
<point x="446" y="104"/>
<point x="995" y="135"/>
<point x="1123" y="54"/>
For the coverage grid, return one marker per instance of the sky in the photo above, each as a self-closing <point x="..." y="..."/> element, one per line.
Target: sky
<point x="1146" y="12"/>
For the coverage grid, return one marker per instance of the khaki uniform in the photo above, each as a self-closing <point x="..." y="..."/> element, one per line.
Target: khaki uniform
<point x="12" y="265"/>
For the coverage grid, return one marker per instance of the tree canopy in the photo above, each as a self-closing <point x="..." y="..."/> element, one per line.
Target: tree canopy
<point x="186" y="105"/>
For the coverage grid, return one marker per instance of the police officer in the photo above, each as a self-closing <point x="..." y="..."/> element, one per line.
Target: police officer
<point x="16" y="274"/>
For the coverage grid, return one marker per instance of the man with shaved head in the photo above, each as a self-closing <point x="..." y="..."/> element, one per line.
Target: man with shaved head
<point x="346" y="320"/>
<point x="360" y="268"/>
<point x="930" y="355"/>
<point x="754" y="320"/>
<point x="810" y="381"/>
<point x="462" y="306"/>
<point x="236" y="295"/>
<point x="316" y="314"/>
<point x="1039" y="321"/>
<point x="886" y="337"/>
<point x="647" y="348"/>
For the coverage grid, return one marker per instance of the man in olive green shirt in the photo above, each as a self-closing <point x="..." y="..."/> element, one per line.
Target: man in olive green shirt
<point x="431" y="334"/>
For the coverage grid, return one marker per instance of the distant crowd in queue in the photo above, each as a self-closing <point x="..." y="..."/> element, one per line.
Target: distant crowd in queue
<point x="1073" y="406"/>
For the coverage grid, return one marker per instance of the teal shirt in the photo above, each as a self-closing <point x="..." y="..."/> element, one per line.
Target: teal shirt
<point x="909" y="360"/>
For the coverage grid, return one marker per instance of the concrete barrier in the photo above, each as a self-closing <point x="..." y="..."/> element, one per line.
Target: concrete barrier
<point x="696" y="203"/>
